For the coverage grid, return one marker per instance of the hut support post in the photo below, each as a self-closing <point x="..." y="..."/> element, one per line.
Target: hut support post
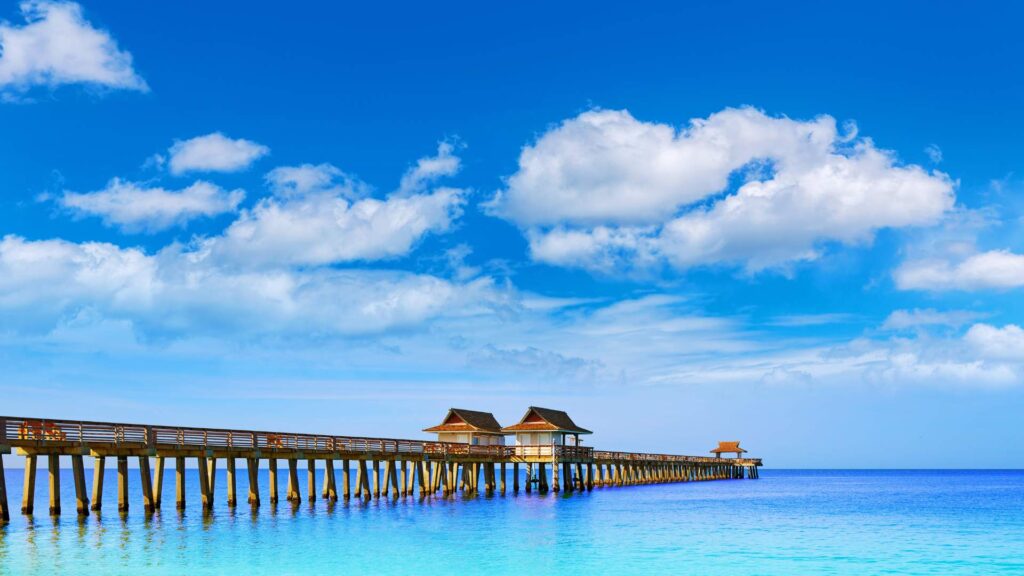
<point x="502" y="477"/>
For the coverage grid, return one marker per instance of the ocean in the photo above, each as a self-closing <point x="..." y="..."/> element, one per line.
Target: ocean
<point x="788" y="522"/>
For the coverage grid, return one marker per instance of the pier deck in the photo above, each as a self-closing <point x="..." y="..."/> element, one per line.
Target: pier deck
<point x="410" y="466"/>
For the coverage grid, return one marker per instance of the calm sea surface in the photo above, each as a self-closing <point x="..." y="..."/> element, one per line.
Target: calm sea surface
<point x="788" y="522"/>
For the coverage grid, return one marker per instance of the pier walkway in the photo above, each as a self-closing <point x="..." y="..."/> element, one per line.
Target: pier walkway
<point x="410" y="467"/>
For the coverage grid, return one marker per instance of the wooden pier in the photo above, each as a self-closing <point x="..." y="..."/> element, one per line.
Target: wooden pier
<point x="384" y="467"/>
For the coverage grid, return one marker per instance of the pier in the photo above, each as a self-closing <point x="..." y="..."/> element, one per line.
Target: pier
<point x="383" y="467"/>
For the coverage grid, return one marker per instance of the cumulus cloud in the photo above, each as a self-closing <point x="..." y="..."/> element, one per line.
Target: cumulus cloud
<point x="1006" y="343"/>
<point x="56" y="45"/>
<point x="176" y="292"/>
<point x="214" y="153"/>
<point x="133" y="207"/>
<point x="312" y="220"/>
<point x="992" y="270"/>
<point x="604" y="190"/>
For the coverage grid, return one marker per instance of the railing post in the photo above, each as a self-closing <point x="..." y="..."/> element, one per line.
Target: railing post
<point x="150" y="438"/>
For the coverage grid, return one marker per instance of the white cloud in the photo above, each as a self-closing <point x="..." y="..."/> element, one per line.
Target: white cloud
<point x="214" y="153"/>
<point x="291" y="181"/>
<point x="325" y="227"/>
<point x="1006" y="343"/>
<point x="920" y="318"/>
<point x="429" y="169"/>
<point x="173" y="292"/>
<point x="134" y="206"/>
<point x="934" y="153"/>
<point x="318" y="215"/>
<point x="56" y="45"/>
<point x="604" y="190"/>
<point x="993" y="270"/>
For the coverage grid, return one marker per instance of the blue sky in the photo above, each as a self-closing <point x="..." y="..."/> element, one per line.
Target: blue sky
<point x="796" y="227"/>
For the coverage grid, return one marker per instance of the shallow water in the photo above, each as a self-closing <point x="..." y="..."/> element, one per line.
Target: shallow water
<point x="787" y="522"/>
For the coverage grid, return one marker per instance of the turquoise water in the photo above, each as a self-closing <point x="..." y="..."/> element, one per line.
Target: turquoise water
<point x="787" y="522"/>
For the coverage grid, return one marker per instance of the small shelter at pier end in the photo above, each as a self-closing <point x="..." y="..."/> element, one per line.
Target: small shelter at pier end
<point x="728" y="448"/>
<point x="544" y="427"/>
<point x="469" y="427"/>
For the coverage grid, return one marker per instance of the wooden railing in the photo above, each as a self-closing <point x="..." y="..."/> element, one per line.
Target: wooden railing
<point x="38" y="432"/>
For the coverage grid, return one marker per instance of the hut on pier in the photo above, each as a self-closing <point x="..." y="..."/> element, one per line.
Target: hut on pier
<point x="544" y="427"/>
<point x="469" y="427"/>
<point x="728" y="448"/>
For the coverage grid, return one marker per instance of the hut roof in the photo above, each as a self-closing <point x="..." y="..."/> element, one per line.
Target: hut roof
<point x="546" y="420"/>
<point x="728" y="447"/>
<point x="462" y="420"/>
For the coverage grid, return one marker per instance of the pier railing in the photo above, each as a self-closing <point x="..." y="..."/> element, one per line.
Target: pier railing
<point x="40" y="433"/>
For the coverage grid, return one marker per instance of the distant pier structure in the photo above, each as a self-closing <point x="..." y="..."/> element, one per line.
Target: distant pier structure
<point x="470" y="446"/>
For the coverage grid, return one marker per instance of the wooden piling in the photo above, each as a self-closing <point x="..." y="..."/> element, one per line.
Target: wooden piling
<point x="344" y="480"/>
<point x="211" y="476"/>
<point x="330" y="487"/>
<point x="5" y="512"/>
<point x="365" y="482"/>
<point x="205" y="489"/>
<point x="272" y="479"/>
<point x="53" y="471"/>
<point x="98" y="472"/>
<point x="542" y="478"/>
<point x="388" y="470"/>
<point x="232" y="482"/>
<point x="393" y="479"/>
<point x="293" y="494"/>
<point x="555" y="484"/>
<point x="28" y="495"/>
<point x="376" y="478"/>
<point x="122" y="484"/>
<point x="515" y="477"/>
<point x="179" y="482"/>
<point x="252" y="467"/>
<point x="502" y="476"/>
<point x="158" y="482"/>
<point x="311" y="480"/>
<point x="146" y="483"/>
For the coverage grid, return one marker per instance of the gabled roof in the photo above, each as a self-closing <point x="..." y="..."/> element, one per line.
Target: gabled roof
<point x="728" y="447"/>
<point x="462" y="420"/>
<point x="546" y="420"/>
